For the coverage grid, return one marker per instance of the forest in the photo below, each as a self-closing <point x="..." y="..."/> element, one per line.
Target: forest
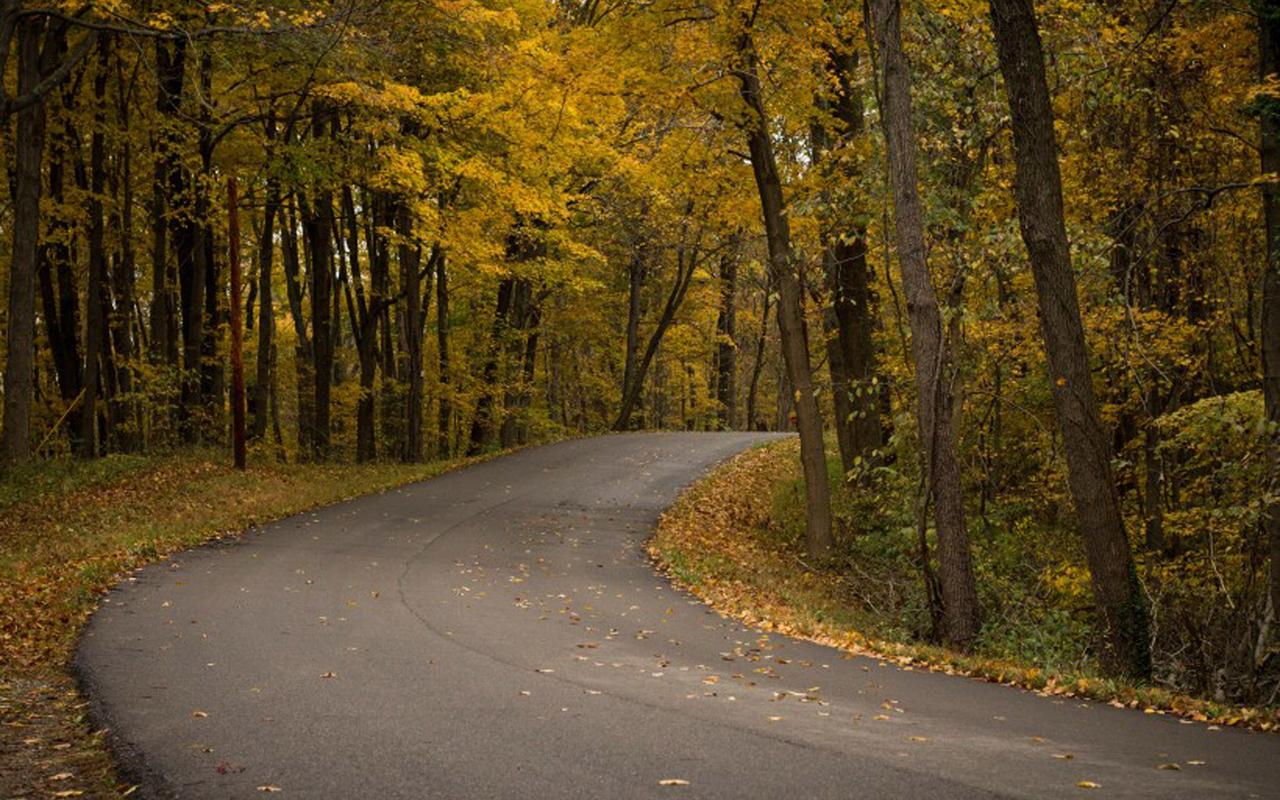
<point x="1010" y="269"/>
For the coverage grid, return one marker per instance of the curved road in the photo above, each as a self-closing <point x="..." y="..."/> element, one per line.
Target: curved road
<point x="497" y="632"/>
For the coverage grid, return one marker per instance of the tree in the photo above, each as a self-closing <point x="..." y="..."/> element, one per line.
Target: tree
<point x="1038" y="185"/>
<point x="782" y="270"/>
<point x="848" y="322"/>
<point x="42" y="66"/>
<point x="1268" y="64"/>
<point x="727" y="349"/>
<point x="933" y="364"/>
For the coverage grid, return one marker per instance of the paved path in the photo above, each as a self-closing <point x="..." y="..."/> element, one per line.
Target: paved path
<point x="497" y="633"/>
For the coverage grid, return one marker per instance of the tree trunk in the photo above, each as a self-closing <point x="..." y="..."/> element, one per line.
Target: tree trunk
<point x="96" y="286"/>
<point x="848" y="322"/>
<point x="20" y="343"/>
<point x="59" y="294"/>
<point x="727" y="346"/>
<point x="237" y="327"/>
<point x="932" y="363"/>
<point x="127" y="437"/>
<point x="379" y="217"/>
<point x="791" y="326"/>
<point x="635" y="285"/>
<point x="445" y="421"/>
<point x="753" y="422"/>
<point x="364" y="329"/>
<point x="484" y="422"/>
<point x="266" y="312"/>
<point x="212" y="375"/>
<point x="318" y="225"/>
<point x="522" y="353"/>
<point x="1269" y="63"/>
<point x="685" y="268"/>
<point x="410" y="257"/>
<point x="302" y="349"/>
<point x="170" y="71"/>
<point x="1038" y="185"/>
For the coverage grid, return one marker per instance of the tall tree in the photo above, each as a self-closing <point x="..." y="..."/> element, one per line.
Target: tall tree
<point x="782" y="271"/>
<point x="42" y="66"/>
<point x="933" y="367"/>
<point x="1038" y="186"/>
<point x="1269" y="64"/>
<point x="848" y="322"/>
<point x="727" y="346"/>
<point x="444" y="429"/>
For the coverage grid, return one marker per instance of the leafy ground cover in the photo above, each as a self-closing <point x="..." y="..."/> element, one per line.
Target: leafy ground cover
<point x="70" y="530"/>
<point x="735" y="540"/>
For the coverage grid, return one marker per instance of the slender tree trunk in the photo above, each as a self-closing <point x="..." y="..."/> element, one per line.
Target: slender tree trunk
<point x="212" y="374"/>
<point x="1038" y="185"/>
<point x="237" y="327"/>
<point x="848" y="322"/>
<point x="522" y="353"/>
<point x="302" y="349"/>
<point x="96" y="286"/>
<point x="20" y="342"/>
<point x="928" y="345"/>
<point x="57" y="275"/>
<point x="59" y="293"/>
<point x="686" y="263"/>
<point x="484" y="422"/>
<point x="410" y="256"/>
<point x="635" y="285"/>
<point x="1269" y="63"/>
<point x="757" y="366"/>
<point x="445" y="421"/>
<point x="318" y="226"/>
<point x="170" y="71"/>
<point x="185" y="231"/>
<point x="727" y="346"/>
<point x="266" y="312"/>
<point x="364" y="329"/>
<point x="782" y="269"/>
<point x="126" y="437"/>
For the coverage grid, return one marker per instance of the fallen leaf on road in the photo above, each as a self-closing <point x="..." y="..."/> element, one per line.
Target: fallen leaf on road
<point x="1196" y="763"/>
<point x="1063" y="756"/>
<point x="199" y="714"/>
<point x="1169" y="766"/>
<point x="269" y="788"/>
<point x="1088" y="785"/>
<point x="673" y="782"/>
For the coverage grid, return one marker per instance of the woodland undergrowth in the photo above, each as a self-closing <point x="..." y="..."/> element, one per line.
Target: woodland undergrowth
<point x="735" y="540"/>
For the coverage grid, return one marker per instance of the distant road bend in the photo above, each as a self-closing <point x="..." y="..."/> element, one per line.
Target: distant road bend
<point x="497" y="632"/>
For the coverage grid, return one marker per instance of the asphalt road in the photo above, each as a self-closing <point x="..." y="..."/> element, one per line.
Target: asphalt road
<point x="498" y="632"/>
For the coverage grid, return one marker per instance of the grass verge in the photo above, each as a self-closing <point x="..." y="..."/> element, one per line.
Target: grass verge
<point x="71" y="530"/>
<point x="721" y="541"/>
